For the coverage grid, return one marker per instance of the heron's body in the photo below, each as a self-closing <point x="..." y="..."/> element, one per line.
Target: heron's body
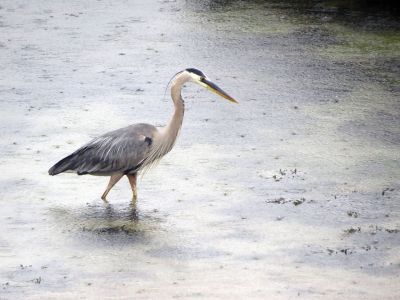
<point x="118" y="151"/>
<point x="128" y="150"/>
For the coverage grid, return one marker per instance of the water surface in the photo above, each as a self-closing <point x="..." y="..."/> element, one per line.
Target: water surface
<point x="292" y="193"/>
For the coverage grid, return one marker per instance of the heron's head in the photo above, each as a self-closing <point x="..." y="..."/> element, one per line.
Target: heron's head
<point x="200" y="78"/>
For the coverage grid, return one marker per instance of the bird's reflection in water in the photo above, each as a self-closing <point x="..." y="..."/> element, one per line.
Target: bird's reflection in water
<point x="130" y="213"/>
<point x="108" y="219"/>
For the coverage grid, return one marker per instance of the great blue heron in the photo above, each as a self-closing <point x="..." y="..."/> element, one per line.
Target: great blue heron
<point x="128" y="150"/>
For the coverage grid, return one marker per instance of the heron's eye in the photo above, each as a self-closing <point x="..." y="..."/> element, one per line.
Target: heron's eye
<point x="202" y="78"/>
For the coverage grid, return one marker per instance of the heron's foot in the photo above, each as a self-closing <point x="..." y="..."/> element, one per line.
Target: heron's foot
<point x="132" y="181"/>
<point x="113" y="180"/>
<point x="134" y="200"/>
<point x="103" y="197"/>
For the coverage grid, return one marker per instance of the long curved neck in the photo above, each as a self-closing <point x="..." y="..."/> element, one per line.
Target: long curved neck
<point x="167" y="136"/>
<point x="170" y="132"/>
<point x="174" y="125"/>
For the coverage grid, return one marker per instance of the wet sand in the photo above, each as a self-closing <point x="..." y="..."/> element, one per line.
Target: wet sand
<point x="293" y="193"/>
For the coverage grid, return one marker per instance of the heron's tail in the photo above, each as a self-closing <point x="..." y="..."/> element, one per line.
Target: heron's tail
<point x="63" y="165"/>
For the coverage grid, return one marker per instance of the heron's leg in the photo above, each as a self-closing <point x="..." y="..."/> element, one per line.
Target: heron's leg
<point x="113" y="180"/>
<point x="132" y="180"/>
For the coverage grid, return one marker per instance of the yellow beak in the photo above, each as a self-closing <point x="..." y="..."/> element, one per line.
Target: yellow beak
<point x="216" y="89"/>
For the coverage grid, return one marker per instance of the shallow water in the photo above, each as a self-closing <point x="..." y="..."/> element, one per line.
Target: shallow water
<point x="292" y="193"/>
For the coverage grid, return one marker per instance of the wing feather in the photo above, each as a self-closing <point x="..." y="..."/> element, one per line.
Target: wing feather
<point x="118" y="151"/>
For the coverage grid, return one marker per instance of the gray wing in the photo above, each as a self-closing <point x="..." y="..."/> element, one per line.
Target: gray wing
<point x="119" y="151"/>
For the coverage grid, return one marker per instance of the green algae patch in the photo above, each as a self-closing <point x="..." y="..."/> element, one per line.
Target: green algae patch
<point x="375" y="52"/>
<point x="359" y="44"/>
<point x="244" y="20"/>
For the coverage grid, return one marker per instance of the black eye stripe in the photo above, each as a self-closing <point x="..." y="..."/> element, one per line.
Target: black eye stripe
<point x="195" y="71"/>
